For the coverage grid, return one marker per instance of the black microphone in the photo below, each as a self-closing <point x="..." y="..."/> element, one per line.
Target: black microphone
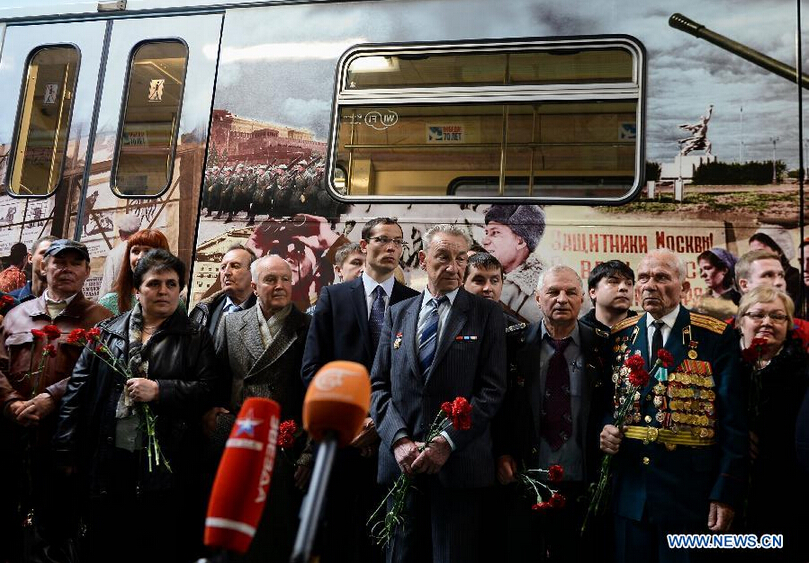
<point x="334" y="409"/>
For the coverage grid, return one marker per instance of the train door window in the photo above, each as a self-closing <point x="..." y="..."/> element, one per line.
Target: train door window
<point x="553" y="121"/>
<point x="43" y="120"/>
<point x="147" y="136"/>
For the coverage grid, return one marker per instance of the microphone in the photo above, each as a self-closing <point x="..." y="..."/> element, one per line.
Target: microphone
<point x="334" y="409"/>
<point x="243" y="479"/>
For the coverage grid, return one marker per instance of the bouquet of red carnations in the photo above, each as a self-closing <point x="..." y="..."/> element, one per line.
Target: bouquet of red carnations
<point x="637" y="378"/>
<point x="383" y="523"/>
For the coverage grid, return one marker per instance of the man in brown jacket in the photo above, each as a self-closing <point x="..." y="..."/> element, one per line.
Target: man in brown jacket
<point x="29" y="400"/>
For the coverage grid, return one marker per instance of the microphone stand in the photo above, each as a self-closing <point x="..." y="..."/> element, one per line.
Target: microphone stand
<point x="313" y="501"/>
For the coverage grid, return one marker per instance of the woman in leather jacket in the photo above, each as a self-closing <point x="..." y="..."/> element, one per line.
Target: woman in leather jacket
<point x="137" y="504"/>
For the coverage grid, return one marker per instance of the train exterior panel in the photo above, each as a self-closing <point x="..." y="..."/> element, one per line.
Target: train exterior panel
<point x="287" y="126"/>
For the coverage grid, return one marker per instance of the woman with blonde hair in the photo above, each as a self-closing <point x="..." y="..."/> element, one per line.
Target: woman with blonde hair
<point x="776" y="368"/>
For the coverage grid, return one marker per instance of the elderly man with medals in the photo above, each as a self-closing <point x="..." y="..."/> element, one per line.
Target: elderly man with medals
<point x="680" y="453"/>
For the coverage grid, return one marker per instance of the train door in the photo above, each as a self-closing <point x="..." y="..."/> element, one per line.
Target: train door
<point x="137" y="115"/>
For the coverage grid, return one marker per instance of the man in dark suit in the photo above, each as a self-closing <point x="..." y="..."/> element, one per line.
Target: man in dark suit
<point x="680" y="464"/>
<point x="236" y="293"/>
<point x="345" y="326"/>
<point x="442" y="344"/>
<point x="554" y="375"/>
<point x="263" y="347"/>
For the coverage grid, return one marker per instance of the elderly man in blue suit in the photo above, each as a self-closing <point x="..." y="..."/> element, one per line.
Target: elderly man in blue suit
<point x="680" y="456"/>
<point x="345" y="326"/>
<point x="439" y="345"/>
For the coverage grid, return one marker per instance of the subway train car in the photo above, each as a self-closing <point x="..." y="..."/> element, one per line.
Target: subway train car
<point x="556" y="132"/>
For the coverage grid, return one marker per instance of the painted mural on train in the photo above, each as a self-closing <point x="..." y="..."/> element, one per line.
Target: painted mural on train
<point x="265" y="171"/>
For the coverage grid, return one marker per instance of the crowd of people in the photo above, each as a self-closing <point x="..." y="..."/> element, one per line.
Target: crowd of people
<point x="116" y="413"/>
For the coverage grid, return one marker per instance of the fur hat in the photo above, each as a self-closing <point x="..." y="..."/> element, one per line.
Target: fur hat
<point x="525" y="221"/>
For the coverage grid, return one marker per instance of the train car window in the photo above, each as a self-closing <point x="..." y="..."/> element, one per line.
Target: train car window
<point x="43" y="121"/>
<point x="147" y="136"/>
<point x="560" y="66"/>
<point x="555" y="121"/>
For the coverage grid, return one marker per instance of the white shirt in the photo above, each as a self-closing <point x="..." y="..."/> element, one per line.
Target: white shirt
<point x="369" y="285"/>
<point x="668" y="324"/>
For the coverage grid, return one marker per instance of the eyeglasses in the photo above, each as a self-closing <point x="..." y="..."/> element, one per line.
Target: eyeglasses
<point x="384" y="241"/>
<point x="775" y="316"/>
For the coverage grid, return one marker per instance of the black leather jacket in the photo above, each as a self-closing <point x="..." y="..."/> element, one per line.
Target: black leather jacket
<point x="181" y="359"/>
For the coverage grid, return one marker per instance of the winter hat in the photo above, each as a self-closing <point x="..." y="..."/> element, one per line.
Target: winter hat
<point x="525" y="221"/>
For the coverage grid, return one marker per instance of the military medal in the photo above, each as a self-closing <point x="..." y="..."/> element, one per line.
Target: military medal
<point x="398" y="342"/>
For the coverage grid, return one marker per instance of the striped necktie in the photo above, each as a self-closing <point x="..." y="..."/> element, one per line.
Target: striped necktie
<point x="428" y="333"/>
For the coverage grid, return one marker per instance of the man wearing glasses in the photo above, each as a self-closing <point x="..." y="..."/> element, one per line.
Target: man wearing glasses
<point x="346" y="325"/>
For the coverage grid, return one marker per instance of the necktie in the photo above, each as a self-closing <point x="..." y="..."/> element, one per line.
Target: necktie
<point x="232" y="308"/>
<point x="377" y="315"/>
<point x="428" y="334"/>
<point x="657" y="341"/>
<point x="557" y="423"/>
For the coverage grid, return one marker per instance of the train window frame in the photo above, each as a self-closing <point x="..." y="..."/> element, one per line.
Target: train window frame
<point x="454" y="96"/>
<point x="6" y="184"/>
<point x="122" y="119"/>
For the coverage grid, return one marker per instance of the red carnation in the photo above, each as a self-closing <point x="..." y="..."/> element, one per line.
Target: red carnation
<point x="634" y="362"/>
<point x="93" y="333"/>
<point x="555" y="473"/>
<point x="38" y="333"/>
<point x="665" y="358"/>
<point x="639" y="377"/>
<point x="446" y="408"/>
<point x="557" y="501"/>
<point x="99" y="348"/>
<point x="461" y="414"/>
<point x="542" y="506"/>
<point x="7" y="300"/>
<point x="76" y="336"/>
<point x="286" y="434"/>
<point x="52" y="332"/>
<point x="50" y="350"/>
<point x="753" y="352"/>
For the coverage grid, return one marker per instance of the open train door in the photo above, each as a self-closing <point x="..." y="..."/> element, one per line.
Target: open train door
<point x="110" y="130"/>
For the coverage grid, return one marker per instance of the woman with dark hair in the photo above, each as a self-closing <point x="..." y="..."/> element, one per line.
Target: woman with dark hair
<point x="137" y="508"/>
<point x="776" y="368"/>
<point x="122" y="298"/>
<point x="716" y="270"/>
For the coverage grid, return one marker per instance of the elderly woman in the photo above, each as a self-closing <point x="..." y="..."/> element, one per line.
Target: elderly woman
<point x="152" y="355"/>
<point x="122" y="298"/>
<point x="777" y="369"/>
<point x="716" y="270"/>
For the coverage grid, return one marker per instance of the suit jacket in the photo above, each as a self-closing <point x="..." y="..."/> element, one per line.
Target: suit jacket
<point x="271" y="373"/>
<point x="404" y="401"/>
<point x="208" y="312"/>
<point x="516" y="423"/>
<point x="339" y="329"/>
<point x="264" y="372"/>
<point x="675" y="487"/>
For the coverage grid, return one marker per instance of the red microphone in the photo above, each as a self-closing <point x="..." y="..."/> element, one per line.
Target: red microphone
<point x="243" y="478"/>
<point x="335" y="406"/>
